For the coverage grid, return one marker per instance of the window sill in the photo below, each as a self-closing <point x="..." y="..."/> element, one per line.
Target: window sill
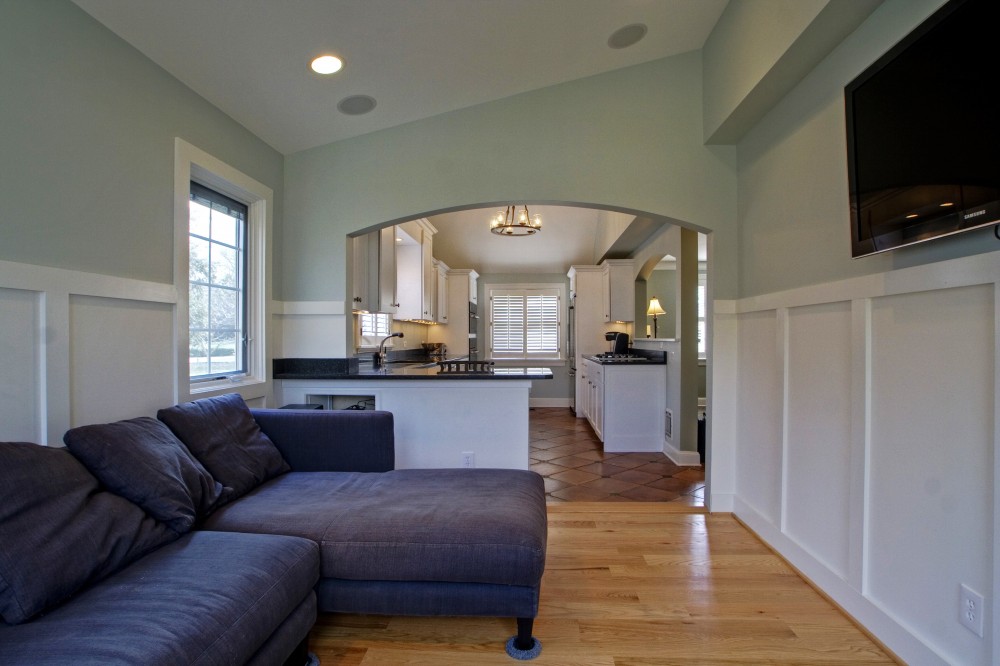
<point x="248" y="387"/>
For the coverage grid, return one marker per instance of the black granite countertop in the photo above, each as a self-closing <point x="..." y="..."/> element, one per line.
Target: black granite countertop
<point x="635" y="357"/>
<point x="405" y="369"/>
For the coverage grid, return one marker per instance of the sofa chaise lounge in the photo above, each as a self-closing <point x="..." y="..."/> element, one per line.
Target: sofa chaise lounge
<point x="214" y="534"/>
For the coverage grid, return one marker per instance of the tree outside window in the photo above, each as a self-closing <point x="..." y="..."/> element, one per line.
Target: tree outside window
<point x="217" y="285"/>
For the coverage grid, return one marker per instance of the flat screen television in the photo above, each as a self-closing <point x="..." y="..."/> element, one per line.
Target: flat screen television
<point x="923" y="132"/>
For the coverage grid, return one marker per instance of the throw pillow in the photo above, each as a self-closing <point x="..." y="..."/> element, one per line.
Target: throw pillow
<point x="59" y="531"/>
<point x="223" y="435"/>
<point x="141" y="460"/>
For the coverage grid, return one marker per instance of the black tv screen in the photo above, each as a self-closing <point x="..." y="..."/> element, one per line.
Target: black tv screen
<point x="923" y="132"/>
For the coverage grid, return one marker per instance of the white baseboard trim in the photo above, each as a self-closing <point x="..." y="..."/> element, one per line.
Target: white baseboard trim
<point x="548" y="402"/>
<point x="893" y="635"/>
<point x="682" y="458"/>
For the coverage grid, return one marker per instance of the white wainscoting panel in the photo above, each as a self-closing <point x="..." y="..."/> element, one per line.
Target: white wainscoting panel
<point x="758" y="458"/>
<point x="20" y="370"/>
<point x="931" y="460"/>
<point x="818" y="438"/>
<point x="121" y="358"/>
<point x="882" y="392"/>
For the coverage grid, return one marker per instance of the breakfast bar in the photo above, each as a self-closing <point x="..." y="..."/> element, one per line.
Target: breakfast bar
<point x="442" y="418"/>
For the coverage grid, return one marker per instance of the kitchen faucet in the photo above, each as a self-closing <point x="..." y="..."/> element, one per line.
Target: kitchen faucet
<point x="379" y="359"/>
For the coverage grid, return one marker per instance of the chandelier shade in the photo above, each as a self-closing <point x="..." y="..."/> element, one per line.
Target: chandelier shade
<point x="512" y="222"/>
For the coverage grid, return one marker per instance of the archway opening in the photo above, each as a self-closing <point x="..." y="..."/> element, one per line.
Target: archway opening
<point x="579" y="234"/>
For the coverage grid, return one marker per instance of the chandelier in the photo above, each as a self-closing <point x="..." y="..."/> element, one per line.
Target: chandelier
<point x="511" y="222"/>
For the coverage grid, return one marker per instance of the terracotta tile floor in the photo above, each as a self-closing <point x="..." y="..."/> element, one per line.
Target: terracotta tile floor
<point x="568" y="454"/>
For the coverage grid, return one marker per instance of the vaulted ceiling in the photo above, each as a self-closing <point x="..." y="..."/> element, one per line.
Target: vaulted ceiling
<point x="416" y="58"/>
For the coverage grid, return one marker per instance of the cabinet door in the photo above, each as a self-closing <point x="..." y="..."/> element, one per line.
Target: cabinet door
<point x="361" y="301"/>
<point x="387" y="270"/>
<point x="618" y="290"/>
<point x="441" y="303"/>
<point x="598" y="408"/>
<point x="428" y="275"/>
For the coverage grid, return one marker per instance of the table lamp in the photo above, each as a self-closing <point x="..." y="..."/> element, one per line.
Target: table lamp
<point x="654" y="309"/>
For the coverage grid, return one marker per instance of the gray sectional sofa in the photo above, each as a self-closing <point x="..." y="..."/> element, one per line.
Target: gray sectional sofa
<point x="214" y="534"/>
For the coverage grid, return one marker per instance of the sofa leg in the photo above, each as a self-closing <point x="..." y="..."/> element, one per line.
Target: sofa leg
<point x="524" y="646"/>
<point x="301" y="656"/>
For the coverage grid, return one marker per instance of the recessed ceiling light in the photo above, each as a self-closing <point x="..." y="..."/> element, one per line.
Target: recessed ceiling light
<point x="627" y="36"/>
<point x="356" y="105"/>
<point x="326" y="64"/>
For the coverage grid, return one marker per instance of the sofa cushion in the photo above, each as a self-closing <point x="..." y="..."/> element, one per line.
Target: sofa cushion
<point x="223" y="435"/>
<point x="207" y="598"/>
<point x="446" y="525"/>
<point x="141" y="460"/>
<point x="60" y="531"/>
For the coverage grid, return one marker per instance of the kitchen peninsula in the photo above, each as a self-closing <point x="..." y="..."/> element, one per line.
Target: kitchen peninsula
<point x="440" y="417"/>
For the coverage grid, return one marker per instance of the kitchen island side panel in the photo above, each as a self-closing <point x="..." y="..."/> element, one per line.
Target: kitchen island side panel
<point x="438" y="421"/>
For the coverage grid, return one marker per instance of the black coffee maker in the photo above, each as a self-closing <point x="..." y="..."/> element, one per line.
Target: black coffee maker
<point x="621" y="343"/>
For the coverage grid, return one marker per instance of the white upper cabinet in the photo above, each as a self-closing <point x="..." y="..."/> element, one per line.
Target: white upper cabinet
<point x="618" y="290"/>
<point x="441" y="295"/>
<point x="374" y="274"/>
<point x="387" y="270"/>
<point x="415" y="273"/>
<point x="359" y="276"/>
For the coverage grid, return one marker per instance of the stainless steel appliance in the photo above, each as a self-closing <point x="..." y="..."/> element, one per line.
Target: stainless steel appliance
<point x="473" y="341"/>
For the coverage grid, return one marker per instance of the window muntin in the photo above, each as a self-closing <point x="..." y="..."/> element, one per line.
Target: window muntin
<point x="217" y="285"/>
<point x="525" y="323"/>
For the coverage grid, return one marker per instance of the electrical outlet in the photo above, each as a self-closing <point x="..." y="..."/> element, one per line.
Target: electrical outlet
<point x="970" y="610"/>
<point x="468" y="459"/>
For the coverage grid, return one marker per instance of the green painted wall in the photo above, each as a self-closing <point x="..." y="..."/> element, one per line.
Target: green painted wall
<point x="629" y="140"/>
<point x="793" y="193"/>
<point x="87" y="127"/>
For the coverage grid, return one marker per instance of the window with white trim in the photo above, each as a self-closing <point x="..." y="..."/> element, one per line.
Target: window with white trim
<point x="217" y="274"/>
<point x="525" y="322"/>
<point x="373" y="327"/>
<point x="228" y="260"/>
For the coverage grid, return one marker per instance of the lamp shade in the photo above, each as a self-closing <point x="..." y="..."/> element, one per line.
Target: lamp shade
<point x="655" y="308"/>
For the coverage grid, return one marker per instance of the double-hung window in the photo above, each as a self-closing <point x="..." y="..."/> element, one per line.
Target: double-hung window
<point x="525" y="323"/>
<point x="222" y="238"/>
<point x="217" y="285"/>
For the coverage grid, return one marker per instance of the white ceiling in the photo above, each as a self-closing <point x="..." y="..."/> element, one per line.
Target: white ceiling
<point x="417" y="58"/>
<point x="568" y="237"/>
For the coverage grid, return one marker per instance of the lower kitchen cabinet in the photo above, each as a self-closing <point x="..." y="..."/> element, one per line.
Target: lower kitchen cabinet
<point x="625" y="405"/>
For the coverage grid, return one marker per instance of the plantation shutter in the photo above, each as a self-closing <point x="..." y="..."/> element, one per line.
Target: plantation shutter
<point x="508" y="323"/>
<point x="524" y="323"/>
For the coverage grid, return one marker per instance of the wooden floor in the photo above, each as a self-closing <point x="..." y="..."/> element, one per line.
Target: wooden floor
<point x="631" y="584"/>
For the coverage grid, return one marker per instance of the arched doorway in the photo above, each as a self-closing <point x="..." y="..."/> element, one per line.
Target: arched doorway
<point x="463" y="241"/>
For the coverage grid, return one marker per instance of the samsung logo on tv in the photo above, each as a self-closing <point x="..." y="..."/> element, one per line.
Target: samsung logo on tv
<point x="975" y="214"/>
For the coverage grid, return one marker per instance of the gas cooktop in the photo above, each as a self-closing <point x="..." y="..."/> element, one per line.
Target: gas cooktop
<point x="609" y="357"/>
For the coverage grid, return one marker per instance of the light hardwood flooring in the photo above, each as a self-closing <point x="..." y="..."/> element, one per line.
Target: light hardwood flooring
<point x="631" y="584"/>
